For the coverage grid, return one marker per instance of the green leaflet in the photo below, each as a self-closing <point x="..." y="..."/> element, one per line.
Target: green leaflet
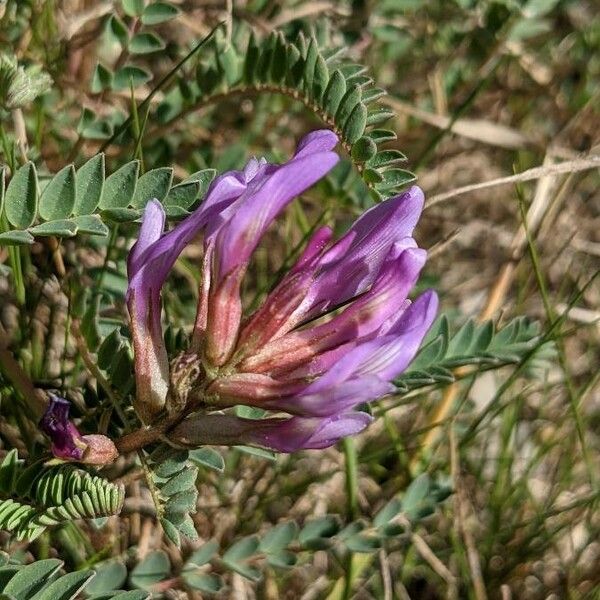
<point x="238" y="555"/>
<point x="473" y="344"/>
<point x="341" y="94"/>
<point x="21" y="197"/>
<point x="145" y="43"/>
<point x="338" y="91"/>
<point x="153" y="568"/>
<point x="67" y="586"/>
<point x="336" y="88"/>
<point x="130" y="76"/>
<point x="154" y="184"/>
<point x="102" y="79"/>
<point x="89" y="185"/>
<point x="133" y="8"/>
<point x="355" y="124"/>
<point x="58" y="199"/>
<point x="119" y="188"/>
<point x="2" y="187"/>
<point x="159" y="12"/>
<point x="51" y="495"/>
<point x="70" y="202"/>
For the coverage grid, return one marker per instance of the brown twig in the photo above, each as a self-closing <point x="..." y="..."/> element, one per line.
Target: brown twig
<point x="138" y="439"/>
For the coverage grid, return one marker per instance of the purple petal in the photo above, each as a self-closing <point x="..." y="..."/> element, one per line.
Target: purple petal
<point x="223" y="318"/>
<point x="67" y="442"/>
<point x="149" y="263"/>
<point x="255" y="174"/>
<point x="381" y="226"/>
<point x="360" y="320"/>
<point x="399" y="346"/>
<point x="237" y="239"/>
<point x="238" y="236"/>
<point x="282" y="435"/>
<point x="252" y="388"/>
<point x="333" y="400"/>
<point x="201" y="322"/>
<point x="150" y="354"/>
<point x="323" y="362"/>
<point x="321" y="140"/>
<point x="352" y="264"/>
<point x="151" y="230"/>
<point x="314" y="249"/>
<point x="162" y="254"/>
<point x="298" y="433"/>
<point x="252" y="168"/>
<point x="318" y="399"/>
<point x="279" y="312"/>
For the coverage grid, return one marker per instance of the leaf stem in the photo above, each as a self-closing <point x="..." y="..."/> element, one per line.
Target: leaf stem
<point x="351" y="467"/>
<point x="159" y="86"/>
<point x="14" y="258"/>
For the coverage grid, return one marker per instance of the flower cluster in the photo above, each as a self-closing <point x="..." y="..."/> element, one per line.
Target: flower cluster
<point x="331" y="335"/>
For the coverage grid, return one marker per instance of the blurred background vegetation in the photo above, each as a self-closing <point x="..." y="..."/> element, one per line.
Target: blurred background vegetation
<point x="477" y="91"/>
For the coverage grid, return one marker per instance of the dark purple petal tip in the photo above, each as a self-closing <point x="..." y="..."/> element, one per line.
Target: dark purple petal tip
<point x="67" y="442"/>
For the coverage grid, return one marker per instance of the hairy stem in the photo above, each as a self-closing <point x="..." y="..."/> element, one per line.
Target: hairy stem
<point x="139" y="438"/>
<point x="248" y="90"/>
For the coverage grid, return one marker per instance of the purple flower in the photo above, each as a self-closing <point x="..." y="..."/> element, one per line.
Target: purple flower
<point x="332" y="334"/>
<point x="67" y="443"/>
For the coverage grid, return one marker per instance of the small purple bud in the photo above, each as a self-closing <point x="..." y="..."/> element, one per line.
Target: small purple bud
<point x="67" y="443"/>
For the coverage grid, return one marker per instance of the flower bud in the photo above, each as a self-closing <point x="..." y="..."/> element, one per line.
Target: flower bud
<point x="67" y="443"/>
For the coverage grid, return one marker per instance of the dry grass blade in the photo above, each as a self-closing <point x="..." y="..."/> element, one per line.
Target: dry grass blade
<point x="570" y="166"/>
<point x="309" y="9"/>
<point x="480" y="130"/>
<point x="71" y="25"/>
<point x="429" y="556"/>
<point x="462" y="516"/>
